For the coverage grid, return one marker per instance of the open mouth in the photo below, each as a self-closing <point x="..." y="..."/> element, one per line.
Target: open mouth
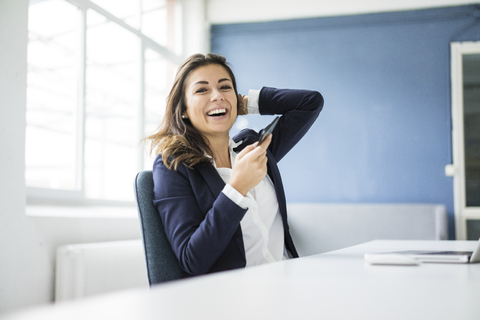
<point x="217" y="112"/>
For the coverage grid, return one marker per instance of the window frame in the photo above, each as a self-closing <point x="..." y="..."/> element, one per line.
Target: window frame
<point x="47" y="196"/>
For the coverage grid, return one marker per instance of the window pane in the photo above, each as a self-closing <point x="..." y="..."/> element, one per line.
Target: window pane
<point x="159" y="75"/>
<point x="471" y="111"/>
<point x="155" y="18"/>
<point x="156" y="23"/>
<point x="111" y="109"/>
<point x="52" y="95"/>
<point x="128" y="11"/>
<point x="473" y="229"/>
<point x="161" y="22"/>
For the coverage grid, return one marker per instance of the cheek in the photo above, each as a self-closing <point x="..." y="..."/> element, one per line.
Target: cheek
<point x="191" y="104"/>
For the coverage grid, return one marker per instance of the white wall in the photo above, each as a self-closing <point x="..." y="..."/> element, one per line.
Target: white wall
<point x="22" y="256"/>
<point x="195" y="30"/>
<point x="233" y="11"/>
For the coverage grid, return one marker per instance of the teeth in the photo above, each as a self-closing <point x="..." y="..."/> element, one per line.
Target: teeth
<point x="216" y="111"/>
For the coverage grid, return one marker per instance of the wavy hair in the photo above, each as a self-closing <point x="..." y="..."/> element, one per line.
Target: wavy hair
<point x="177" y="140"/>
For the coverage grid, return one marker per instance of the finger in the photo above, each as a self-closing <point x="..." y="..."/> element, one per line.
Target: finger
<point x="241" y="105"/>
<point x="255" y="149"/>
<point x="240" y="100"/>
<point x="265" y="143"/>
<point x="259" y="154"/>
<point x="264" y="161"/>
<point x="246" y="150"/>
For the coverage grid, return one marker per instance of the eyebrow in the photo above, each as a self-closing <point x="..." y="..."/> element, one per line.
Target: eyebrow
<point x="206" y="82"/>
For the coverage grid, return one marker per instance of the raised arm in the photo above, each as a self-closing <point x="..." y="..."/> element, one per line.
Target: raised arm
<point x="299" y="110"/>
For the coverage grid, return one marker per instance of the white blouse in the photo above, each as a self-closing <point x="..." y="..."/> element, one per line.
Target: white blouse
<point x="262" y="228"/>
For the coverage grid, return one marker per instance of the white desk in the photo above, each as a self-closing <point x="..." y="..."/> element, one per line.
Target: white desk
<point x="335" y="285"/>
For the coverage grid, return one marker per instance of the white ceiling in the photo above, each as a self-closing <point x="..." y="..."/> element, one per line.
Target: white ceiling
<point x="238" y="11"/>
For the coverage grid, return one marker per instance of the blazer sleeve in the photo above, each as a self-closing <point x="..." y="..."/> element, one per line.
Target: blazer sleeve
<point x="197" y="238"/>
<point x="299" y="110"/>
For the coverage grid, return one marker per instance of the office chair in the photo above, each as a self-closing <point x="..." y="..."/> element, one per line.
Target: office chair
<point x="162" y="264"/>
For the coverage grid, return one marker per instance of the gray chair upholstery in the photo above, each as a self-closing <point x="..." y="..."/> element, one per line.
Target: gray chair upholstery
<point x="162" y="264"/>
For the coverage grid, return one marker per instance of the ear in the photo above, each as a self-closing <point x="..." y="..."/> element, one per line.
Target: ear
<point x="184" y="116"/>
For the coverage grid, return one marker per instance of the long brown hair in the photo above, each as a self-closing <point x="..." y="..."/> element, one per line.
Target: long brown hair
<point x="176" y="139"/>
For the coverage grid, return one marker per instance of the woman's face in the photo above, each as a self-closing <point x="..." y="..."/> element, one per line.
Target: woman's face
<point x="211" y="100"/>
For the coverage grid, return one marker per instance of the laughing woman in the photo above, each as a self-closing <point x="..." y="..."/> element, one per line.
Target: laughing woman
<point x="221" y="200"/>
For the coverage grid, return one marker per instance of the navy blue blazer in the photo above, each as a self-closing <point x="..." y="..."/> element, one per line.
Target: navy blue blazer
<point x="201" y="223"/>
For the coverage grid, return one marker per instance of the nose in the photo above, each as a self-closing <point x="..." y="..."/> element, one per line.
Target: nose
<point x="217" y="95"/>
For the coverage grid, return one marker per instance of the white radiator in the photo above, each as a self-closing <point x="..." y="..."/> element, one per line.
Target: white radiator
<point x="88" y="269"/>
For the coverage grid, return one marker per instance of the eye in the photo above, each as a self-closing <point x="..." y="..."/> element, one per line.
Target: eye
<point x="226" y="87"/>
<point x="201" y="90"/>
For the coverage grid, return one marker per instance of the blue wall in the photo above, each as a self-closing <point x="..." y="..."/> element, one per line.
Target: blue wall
<point x="385" y="132"/>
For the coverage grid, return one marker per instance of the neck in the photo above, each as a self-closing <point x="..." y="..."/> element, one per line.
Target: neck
<point x="220" y="151"/>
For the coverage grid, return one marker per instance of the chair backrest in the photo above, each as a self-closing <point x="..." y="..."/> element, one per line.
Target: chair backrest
<point x="162" y="264"/>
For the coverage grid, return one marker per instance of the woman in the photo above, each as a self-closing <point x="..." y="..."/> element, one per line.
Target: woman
<point x="219" y="207"/>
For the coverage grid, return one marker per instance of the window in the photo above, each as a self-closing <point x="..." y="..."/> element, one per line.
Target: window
<point x="98" y="77"/>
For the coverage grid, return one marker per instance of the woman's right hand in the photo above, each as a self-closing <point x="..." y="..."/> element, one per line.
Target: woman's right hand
<point x="242" y="105"/>
<point x="250" y="166"/>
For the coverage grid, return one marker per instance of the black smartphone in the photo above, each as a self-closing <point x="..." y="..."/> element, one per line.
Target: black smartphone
<point x="268" y="130"/>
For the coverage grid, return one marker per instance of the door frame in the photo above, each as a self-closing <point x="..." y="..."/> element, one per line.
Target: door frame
<point x="462" y="212"/>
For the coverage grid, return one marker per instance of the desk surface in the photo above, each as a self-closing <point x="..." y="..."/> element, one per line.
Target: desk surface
<point x="334" y="285"/>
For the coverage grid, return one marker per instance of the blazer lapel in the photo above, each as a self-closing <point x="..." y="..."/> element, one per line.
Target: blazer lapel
<point x="213" y="179"/>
